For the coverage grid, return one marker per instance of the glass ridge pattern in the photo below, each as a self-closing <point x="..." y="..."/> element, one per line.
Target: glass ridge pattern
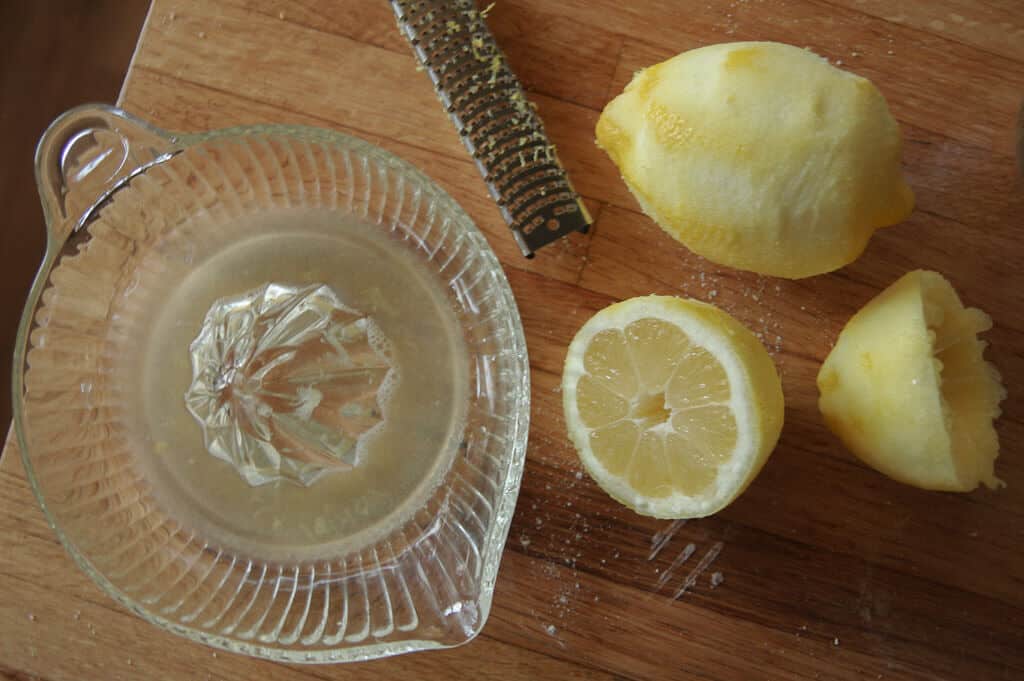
<point x="427" y="584"/>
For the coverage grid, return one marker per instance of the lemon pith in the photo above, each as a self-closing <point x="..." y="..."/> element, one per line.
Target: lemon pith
<point x="760" y="156"/>
<point x="907" y="389"/>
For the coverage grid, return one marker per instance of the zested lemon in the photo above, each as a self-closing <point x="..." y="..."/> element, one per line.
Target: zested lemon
<point x="759" y="156"/>
<point x="907" y="388"/>
<point x="672" y="404"/>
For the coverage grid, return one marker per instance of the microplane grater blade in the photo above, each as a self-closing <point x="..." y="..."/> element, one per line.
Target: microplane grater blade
<point x="498" y="125"/>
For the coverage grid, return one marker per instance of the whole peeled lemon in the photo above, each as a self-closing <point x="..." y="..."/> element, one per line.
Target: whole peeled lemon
<point x="760" y="156"/>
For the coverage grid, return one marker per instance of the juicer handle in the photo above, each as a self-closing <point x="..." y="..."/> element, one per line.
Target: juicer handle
<point x="84" y="156"/>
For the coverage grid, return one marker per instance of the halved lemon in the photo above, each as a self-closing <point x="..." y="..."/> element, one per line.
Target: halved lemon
<point x="907" y="388"/>
<point x="759" y="156"/>
<point x="672" y="404"/>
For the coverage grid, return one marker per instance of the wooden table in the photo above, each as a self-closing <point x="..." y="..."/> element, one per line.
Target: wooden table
<point x="829" y="570"/>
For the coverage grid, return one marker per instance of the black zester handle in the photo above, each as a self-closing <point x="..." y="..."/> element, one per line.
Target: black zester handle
<point x="498" y="125"/>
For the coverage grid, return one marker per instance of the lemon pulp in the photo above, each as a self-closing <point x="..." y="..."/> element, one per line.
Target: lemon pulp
<point x="672" y="404"/>
<point x="908" y="390"/>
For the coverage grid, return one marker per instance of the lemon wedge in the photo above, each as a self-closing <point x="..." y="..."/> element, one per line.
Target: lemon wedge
<point x="907" y="389"/>
<point x="672" y="404"/>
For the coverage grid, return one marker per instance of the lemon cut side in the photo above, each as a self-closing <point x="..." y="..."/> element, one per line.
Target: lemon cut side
<point x="673" y="405"/>
<point x="907" y="388"/>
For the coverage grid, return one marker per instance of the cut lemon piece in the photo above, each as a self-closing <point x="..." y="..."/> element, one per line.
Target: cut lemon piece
<point x="672" y="404"/>
<point x="907" y="389"/>
<point x="759" y="156"/>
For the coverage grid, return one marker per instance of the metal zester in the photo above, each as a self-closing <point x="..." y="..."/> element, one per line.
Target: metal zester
<point x="498" y="125"/>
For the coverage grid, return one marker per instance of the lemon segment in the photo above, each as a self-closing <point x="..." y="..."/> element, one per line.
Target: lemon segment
<point x="672" y="404"/>
<point x="908" y="391"/>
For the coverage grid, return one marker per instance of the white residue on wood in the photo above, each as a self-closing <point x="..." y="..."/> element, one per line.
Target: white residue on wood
<point x="699" y="569"/>
<point x="683" y="556"/>
<point x="663" y="537"/>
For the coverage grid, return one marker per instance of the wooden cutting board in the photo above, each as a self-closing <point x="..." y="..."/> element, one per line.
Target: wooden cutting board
<point x="828" y="569"/>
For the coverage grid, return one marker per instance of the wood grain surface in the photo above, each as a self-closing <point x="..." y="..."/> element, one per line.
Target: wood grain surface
<point x="828" y="569"/>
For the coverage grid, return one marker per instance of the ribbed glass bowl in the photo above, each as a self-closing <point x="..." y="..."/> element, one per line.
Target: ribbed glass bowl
<point x="126" y="205"/>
